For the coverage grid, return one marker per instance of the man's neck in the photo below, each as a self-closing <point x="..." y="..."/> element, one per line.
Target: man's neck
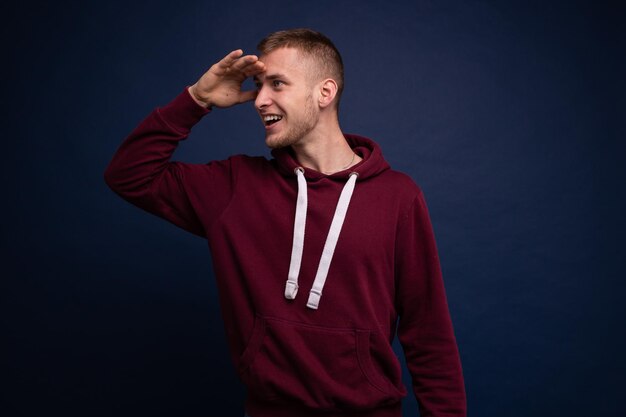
<point x="326" y="150"/>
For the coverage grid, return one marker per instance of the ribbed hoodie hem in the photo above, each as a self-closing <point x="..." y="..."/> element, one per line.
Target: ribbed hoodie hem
<point x="183" y="112"/>
<point x="256" y="408"/>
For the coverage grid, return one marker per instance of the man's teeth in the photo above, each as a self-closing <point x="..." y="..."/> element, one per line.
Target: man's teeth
<point x="271" y="118"/>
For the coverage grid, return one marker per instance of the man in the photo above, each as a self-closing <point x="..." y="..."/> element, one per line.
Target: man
<point x="321" y="254"/>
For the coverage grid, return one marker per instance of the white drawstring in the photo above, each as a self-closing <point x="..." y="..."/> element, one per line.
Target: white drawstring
<point x="291" y="287"/>
<point x="331" y="242"/>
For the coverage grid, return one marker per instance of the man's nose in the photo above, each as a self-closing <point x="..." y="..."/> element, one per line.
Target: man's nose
<point x="262" y="99"/>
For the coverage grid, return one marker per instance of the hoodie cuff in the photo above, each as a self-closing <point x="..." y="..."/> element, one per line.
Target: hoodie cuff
<point x="183" y="112"/>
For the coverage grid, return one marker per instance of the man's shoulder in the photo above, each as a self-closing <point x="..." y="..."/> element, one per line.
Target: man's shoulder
<point x="249" y="160"/>
<point x="255" y="166"/>
<point x="233" y="165"/>
<point x="400" y="182"/>
<point x="242" y="161"/>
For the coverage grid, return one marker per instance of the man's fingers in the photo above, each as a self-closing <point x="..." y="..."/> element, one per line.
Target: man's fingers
<point x="245" y="61"/>
<point x="236" y="63"/>
<point x="253" y="69"/>
<point x="229" y="59"/>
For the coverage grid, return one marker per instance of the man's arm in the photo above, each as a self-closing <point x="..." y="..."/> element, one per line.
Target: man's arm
<point x="141" y="171"/>
<point x="425" y="329"/>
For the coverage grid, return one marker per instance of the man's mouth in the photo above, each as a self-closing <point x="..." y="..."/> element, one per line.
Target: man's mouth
<point x="270" y="119"/>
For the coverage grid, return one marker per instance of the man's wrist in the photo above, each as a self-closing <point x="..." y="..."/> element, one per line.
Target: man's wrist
<point x="195" y="98"/>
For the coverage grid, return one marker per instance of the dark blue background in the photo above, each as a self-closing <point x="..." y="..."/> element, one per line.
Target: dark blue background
<point x="510" y="115"/>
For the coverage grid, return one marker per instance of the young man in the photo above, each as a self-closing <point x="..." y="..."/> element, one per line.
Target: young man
<point x="321" y="254"/>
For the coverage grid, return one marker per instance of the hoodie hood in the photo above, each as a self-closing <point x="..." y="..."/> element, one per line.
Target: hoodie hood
<point x="372" y="164"/>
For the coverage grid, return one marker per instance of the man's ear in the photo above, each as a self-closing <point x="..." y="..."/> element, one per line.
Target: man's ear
<point x="328" y="91"/>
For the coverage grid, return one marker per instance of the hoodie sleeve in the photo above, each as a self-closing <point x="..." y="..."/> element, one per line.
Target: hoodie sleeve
<point x="425" y="328"/>
<point x="141" y="171"/>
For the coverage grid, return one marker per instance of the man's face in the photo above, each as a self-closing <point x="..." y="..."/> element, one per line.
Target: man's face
<point x="285" y="98"/>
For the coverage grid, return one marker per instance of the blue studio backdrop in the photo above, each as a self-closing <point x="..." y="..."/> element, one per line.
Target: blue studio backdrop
<point x="510" y="116"/>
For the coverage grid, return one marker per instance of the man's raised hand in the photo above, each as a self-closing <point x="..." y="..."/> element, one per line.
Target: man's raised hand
<point x="220" y="86"/>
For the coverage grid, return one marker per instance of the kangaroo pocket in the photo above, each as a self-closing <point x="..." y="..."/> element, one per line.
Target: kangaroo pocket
<point x="320" y="367"/>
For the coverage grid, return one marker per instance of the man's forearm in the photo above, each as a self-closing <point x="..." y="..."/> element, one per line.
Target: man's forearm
<point x="146" y="152"/>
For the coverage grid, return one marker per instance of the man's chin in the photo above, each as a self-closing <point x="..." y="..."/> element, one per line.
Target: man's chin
<point x="277" y="143"/>
<point x="273" y="145"/>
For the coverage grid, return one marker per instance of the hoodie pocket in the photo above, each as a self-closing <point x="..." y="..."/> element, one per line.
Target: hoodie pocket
<point x="320" y="367"/>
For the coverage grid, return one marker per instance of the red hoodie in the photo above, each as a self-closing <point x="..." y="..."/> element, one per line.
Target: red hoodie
<point x="330" y="351"/>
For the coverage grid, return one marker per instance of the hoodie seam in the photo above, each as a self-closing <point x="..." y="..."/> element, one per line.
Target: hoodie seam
<point x="235" y="186"/>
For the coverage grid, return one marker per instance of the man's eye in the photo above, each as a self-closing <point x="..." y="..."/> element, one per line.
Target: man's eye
<point x="277" y="83"/>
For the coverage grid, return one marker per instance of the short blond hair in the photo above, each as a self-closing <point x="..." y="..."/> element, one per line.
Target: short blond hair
<point x="315" y="46"/>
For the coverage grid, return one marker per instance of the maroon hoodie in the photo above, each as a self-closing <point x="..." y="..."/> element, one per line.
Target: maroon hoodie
<point x="310" y="351"/>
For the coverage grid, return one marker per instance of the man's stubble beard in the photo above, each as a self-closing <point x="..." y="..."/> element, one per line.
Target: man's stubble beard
<point x="298" y="130"/>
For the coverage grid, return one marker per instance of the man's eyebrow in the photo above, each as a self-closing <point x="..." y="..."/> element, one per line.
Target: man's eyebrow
<point x="271" y="77"/>
<point x="275" y="76"/>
